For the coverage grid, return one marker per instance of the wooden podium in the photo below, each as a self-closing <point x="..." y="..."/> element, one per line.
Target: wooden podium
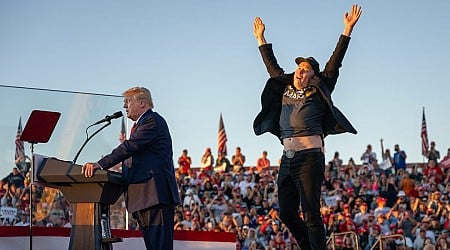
<point x="90" y="197"/>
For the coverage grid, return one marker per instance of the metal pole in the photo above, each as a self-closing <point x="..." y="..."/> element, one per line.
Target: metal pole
<point x="30" y="205"/>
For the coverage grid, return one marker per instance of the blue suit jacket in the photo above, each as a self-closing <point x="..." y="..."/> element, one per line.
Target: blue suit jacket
<point x="148" y="169"/>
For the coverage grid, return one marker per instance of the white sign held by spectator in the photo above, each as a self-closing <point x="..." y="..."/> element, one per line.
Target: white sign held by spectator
<point x="386" y="164"/>
<point x="8" y="213"/>
<point x="331" y="200"/>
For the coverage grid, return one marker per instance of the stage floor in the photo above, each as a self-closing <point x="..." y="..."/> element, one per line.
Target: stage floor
<point x="51" y="238"/>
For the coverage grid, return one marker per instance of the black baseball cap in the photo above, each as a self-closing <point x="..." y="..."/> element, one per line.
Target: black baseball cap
<point x="314" y="64"/>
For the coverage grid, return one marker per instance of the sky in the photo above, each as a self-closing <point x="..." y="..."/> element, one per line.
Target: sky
<point x="199" y="59"/>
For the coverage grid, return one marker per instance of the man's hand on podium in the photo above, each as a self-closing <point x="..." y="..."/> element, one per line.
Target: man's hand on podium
<point x="89" y="168"/>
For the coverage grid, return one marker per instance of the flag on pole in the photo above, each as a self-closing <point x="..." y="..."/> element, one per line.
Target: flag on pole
<point x="20" y="150"/>
<point x="123" y="132"/>
<point x="222" y="138"/>
<point x="424" y="134"/>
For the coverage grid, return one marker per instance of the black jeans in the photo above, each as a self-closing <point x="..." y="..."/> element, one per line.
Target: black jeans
<point x="299" y="183"/>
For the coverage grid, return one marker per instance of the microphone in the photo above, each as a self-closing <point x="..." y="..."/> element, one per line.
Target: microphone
<point x="108" y="118"/>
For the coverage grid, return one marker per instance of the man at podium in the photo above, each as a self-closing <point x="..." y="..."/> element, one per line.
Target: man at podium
<point x="148" y="171"/>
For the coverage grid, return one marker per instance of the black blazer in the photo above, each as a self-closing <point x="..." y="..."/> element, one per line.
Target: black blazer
<point x="268" y="119"/>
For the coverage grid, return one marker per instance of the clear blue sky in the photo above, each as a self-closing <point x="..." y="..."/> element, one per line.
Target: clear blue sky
<point x="199" y="59"/>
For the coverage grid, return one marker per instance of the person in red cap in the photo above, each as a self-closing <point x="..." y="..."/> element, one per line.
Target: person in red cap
<point x="381" y="208"/>
<point x="374" y="233"/>
<point x="187" y="222"/>
<point x="408" y="241"/>
<point x="346" y="208"/>
<point x="297" y="109"/>
<point x="361" y="215"/>
<point x="348" y="225"/>
<point x="195" y="225"/>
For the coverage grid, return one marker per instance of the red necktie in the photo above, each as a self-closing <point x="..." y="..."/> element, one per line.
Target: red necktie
<point x="133" y="128"/>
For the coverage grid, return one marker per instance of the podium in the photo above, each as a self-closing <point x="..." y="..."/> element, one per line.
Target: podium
<point x="90" y="197"/>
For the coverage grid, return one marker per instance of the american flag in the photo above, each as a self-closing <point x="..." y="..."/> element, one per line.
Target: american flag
<point x="222" y="138"/>
<point x="123" y="132"/>
<point x="20" y="151"/>
<point x="424" y="134"/>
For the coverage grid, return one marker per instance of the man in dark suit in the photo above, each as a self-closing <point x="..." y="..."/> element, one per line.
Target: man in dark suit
<point x="147" y="171"/>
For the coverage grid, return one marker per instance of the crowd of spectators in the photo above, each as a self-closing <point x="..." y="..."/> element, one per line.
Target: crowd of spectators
<point x="360" y="202"/>
<point x="50" y="208"/>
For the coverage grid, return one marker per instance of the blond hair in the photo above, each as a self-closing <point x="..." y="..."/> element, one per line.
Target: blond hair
<point x="141" y="93"/>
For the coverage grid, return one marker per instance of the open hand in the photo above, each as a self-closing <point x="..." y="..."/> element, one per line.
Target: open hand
<point x="258" y="31"/>
<point x="89" y="168"/>
<point x="258" y="27"/>
<point x="350" y="19"/>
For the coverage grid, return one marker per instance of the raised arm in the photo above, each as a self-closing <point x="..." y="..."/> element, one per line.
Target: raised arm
<point x="265" y="49"/>
<point x="350" y="19"/>
<point x="330" y="73"/>
<point x="258" y="31"/>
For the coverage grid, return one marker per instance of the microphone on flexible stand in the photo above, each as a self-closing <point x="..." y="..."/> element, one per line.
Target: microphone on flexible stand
<point x="108" y="118"/>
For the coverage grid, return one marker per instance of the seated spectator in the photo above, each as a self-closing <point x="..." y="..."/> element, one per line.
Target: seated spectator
<point x="433" y="154"/>
<point x="399" y="158"/>
<point x="23" y="163"/>
<point x="349" y="243"/>
<point x="251" y="238"/>
<point x="191" y="198"/>
<point x="263" y="162"/>
<point x="429" y="245"/>
<point x="369" y="157"/>
<point x="228" y="223"/>
<point x="445" y="163"/>
<point x="207" y="161"/>
<point x="246" y="182"/>
<point x="381" y="207"/>
<point x="187" y="220"/>
<point x="407" y="185"/>
<point x="222" y="164"/>
<point x="362" y="215"/>
<point x="218" y="206"/>
<point x="433" y="172"/>
<point x="16" y="178"/>
<point x="184" y="162"/>
<point x="278" y="241"/>
<point x="425" y="226"/>
<point x="24" y="219"/>
<point x="238" y="160"/>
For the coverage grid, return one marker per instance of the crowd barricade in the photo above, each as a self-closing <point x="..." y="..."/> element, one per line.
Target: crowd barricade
<point x="336" y="239"/>
<point x="379" y="243"/>
<point x="57" y="238"/>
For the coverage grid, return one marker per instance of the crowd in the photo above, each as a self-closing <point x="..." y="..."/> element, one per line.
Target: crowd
<point x="371" y="198"/>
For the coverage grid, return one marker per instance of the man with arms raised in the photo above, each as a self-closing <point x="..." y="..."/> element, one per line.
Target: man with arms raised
<point x="297" y="108"/>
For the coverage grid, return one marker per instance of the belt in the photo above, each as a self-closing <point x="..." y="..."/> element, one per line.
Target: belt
<point x="290" y="153"/>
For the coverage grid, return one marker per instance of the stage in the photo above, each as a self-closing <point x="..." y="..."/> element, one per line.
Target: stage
<point x="56" y="238"/>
